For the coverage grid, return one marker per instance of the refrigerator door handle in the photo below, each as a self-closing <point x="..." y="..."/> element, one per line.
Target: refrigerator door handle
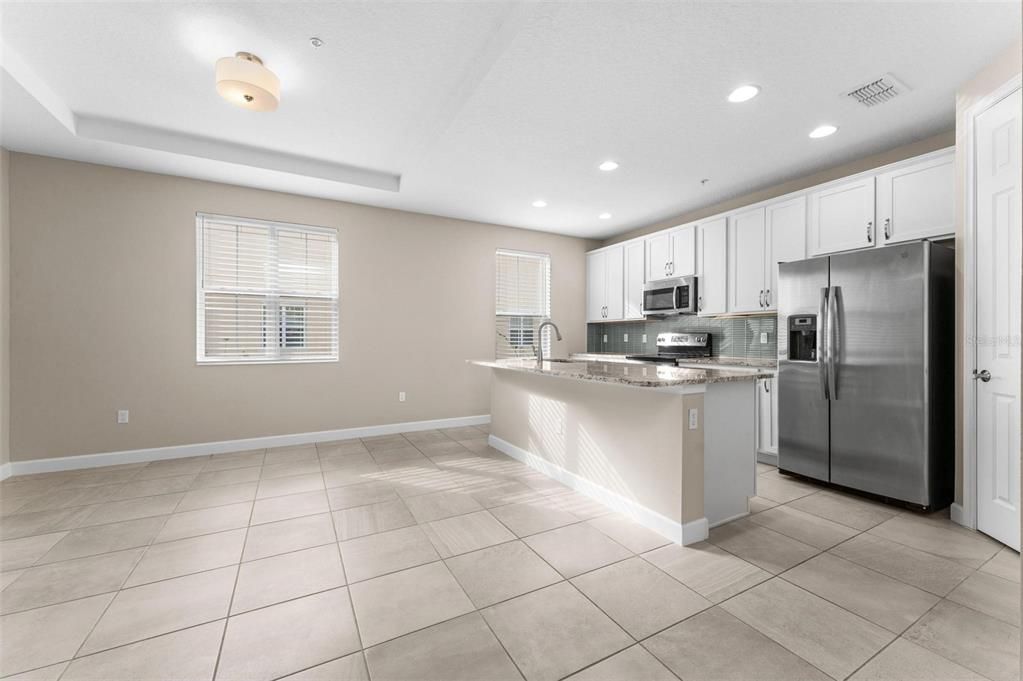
<point x="822" y="353"/>
<point x="834" y="341"/>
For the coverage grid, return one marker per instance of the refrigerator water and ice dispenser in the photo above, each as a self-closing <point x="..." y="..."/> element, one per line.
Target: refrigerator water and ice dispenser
<point x="803" y="338"/>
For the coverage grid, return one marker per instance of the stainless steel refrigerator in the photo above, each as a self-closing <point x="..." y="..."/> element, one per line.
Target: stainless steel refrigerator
<point x="866" y="370"/>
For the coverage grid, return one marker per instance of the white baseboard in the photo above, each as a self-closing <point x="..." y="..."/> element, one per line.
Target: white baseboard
<point x="68" y="463"/>
<point x="958" y="515"/>
<point x="680" y="533"/>
<point x="768" y="458"/>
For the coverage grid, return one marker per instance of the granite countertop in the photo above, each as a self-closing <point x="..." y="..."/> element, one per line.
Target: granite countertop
<point x="767" y="364"/>
<point x="637" y="374"/>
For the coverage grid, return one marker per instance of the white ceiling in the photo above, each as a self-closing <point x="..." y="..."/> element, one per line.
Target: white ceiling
<point x="482" y="107"/>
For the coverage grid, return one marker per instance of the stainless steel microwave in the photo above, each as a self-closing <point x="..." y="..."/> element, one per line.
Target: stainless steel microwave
<point x="670" y="296"/>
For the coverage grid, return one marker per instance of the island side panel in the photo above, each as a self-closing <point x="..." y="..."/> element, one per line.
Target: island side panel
<point x="622" y="445"/>
<point x="730" y="459"/>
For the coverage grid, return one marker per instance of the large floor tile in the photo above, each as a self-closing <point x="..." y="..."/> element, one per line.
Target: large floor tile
<point x="832" y="639"/>
<point x="351" y="475"/>
<point x="361" y="494"/>
<point x="42" y="522"/>
<point x="378" y="554"/>
<point x="271" y="642"/>
<point x="289" y="575"/>
<point x="639" y="597"/>
<point x="231" y="476"/>
<point x="150" y="488"/>
<point x="859" y="514"/>
<point x="185" y="556"/>
<point x="462" y="649"/>
<point x="50" y="673"/>
<point x="205" y="521"/>
<point x="955" y="543"/>
<point x="990" y="595"/>
<point x="290" y="468"/>
<point x="288" y="535"/>
<point x="186" y="654"/>
<point x="576" y="549"/>
<point x="294" y="484"/>
<point x="1005" y="564"/>
<point x="715" y="646"/>
<point x="465" y="533"/>
<point x="628" y="533"/>
<point x="223" y="462"/>
<point x="633" y="664"/>
<point x="208" y="497"/>
<point x="555" y="631"/>
<point x="905" y="661"/>
<point x="90" y="541"/>
<point x="23" y="552"/>
<point x="501" y="572"/>
<point x="382" y="443"/>
<point x="781" y="489"/>
<point x="130" y="509"/>
<point x="162" y="607"/>
<point x="972" y="639"/>
<point x="711" y="572"/>
<point x="762" y="546"/>
<point x="923" y="570"/>
<point x="885" y="601"/>
<point x="44" y="636"/>
<point x="406" y="601"/>
<point x="439" y="505"/>
<point x="290" y="506"/>
<point x="68" y="580"/>
<point x="78" y="496"/>
<point x="804" y="527"/>
<point x="348" y="668"/>
<point x="365" y="520"/>
<point x="491" y="493"/>
<point x="172" y="467"/>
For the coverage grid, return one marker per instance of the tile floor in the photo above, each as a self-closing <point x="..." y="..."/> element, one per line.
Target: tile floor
<point x="431" y="556"/>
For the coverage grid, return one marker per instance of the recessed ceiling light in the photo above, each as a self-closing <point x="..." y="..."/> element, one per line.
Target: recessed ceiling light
<point x="245" y="82"/>
<point x="539" y="203"/>
<point x="823" y="131"/>
<point x="743" y="93"/>
<point x="608" y="165"/>
<point x="604" y="216"/>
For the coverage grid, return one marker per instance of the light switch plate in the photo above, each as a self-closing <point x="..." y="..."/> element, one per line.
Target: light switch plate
<point x="694" y="419"/>
<point x="122" y="415"/>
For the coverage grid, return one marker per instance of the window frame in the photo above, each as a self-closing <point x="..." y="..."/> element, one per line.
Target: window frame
<point x="273" y="305"/>
<point x="548" y="300"/>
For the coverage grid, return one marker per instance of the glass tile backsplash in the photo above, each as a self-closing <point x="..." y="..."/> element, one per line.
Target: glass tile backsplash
<point x="741" y="337"/>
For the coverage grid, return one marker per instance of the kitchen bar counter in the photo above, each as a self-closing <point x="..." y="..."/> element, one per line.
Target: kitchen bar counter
<point x="765" y="364"/>
<point x="624" y="372"/>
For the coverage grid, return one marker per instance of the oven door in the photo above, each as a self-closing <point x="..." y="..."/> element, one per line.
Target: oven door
<point x="659" y="300"/>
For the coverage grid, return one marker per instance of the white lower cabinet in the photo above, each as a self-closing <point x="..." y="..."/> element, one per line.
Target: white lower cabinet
<point x="634" y="280"/>
<point x="767" y="416"/>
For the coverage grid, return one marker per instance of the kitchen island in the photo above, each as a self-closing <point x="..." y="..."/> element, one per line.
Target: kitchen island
<point x="671" y="447"/>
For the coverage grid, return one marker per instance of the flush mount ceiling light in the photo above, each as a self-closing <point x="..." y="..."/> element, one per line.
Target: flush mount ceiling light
<point x="245" y="82"/>
<point x="608" y="166"/>
<point x="823" y="131"/>
<point x="539" y="203"/>
<point x="604" y="216"/>
<point x="743" y="93"/>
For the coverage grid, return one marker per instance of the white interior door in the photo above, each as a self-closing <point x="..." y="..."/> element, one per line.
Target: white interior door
<point x="998" y="207"/>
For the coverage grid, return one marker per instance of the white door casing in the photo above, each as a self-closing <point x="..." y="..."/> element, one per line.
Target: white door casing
<point x="997" y="200"/>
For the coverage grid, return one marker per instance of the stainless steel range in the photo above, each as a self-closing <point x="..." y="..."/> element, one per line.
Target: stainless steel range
<point x="672" y="347"/>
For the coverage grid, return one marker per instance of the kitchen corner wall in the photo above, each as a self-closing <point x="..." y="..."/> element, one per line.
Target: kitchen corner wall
<point x="735" y="337"/>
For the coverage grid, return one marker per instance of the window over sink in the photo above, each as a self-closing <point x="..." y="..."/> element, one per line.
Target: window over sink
<point x="523" y="302"/>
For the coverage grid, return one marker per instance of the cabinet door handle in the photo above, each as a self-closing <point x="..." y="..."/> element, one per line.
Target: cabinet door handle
<point x="699" y="303"/>
<point x="767" y="298"/>
<point x="761" y="297"/>
<point x="887" y="229"/>
<point x="767" y="385"/>
<point x="870" y="231"/>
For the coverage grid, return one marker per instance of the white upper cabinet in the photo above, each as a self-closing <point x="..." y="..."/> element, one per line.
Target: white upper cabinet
<point x="658" y="255"/>
<point x="634" y="280"/>
<point x="711" y="267"/>
<point x="671" y="253"/>
<point x="746" y="258"/>
<point x="605" y="284"/>
<point x="915" y="201"/>
<point x="785" y="241"/>
<point x="842" y="217"/>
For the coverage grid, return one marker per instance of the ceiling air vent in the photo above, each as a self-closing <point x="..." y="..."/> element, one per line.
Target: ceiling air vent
<point x="878" y="91"/>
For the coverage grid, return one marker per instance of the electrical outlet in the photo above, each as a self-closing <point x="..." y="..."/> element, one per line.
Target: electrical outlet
<point x="401" y="397"/>
<point x="644" y="338"/>
<point x="763" y="338"/>
<point x="625" y="337"/>
<point x="122" y="415"/>
<point x="694" y="419"/>
<point x="605" y="337"/>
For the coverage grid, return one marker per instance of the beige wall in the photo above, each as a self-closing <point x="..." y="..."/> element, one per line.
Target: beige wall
<point x="997" y="73"/>
<point x="103" y="314"/>
<point x="939" y="141"/>
<point x="5" y="309"/>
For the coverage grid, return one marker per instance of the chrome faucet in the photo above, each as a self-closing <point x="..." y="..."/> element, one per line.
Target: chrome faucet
<point x="539" y="335"/>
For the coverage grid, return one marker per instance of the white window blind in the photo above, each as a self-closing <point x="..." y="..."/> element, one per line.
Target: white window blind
<point x="267" y="291"/>
<point x="523" y="302"/>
